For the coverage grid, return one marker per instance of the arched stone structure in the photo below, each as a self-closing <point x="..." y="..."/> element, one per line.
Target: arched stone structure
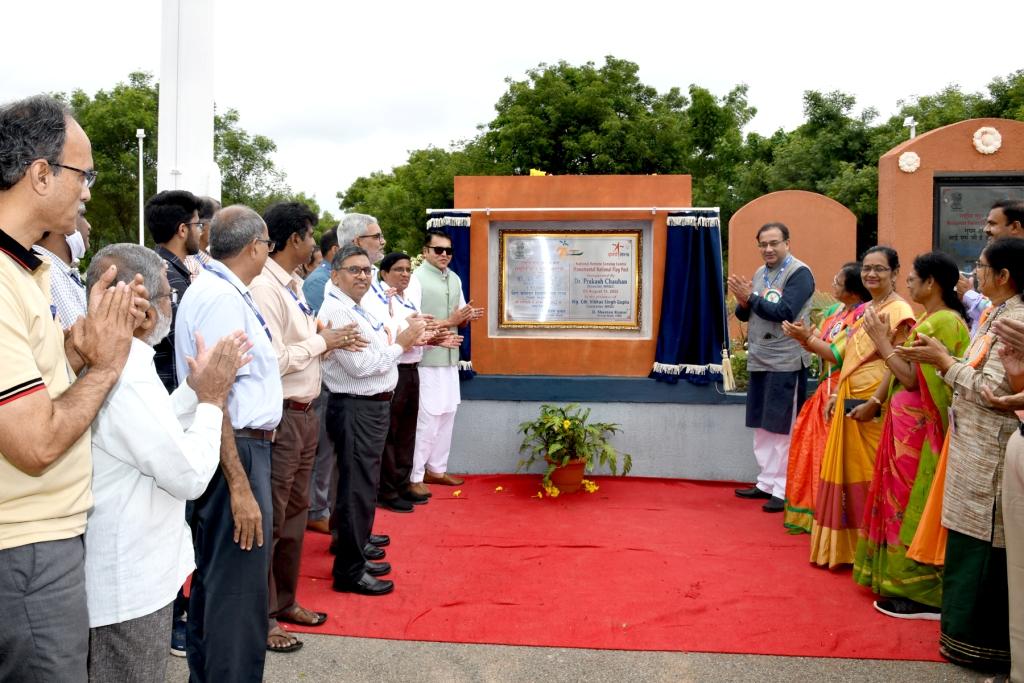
<point x="823" y="233"/>
<point x="906" y="199"/>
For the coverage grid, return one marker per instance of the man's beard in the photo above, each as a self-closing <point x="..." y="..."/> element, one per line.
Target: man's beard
<point x="161" y="329"/>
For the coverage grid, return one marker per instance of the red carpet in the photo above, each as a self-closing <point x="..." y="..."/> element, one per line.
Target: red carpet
<point x="642" y="564"/>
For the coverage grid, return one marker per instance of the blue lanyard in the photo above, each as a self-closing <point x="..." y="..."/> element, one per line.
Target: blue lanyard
<point x="409" y="305"/>
<point x="302" y="306"/>
<point x="374" y="323"/>
<point x="785" y="264"/>
<point x="245" y="297"/>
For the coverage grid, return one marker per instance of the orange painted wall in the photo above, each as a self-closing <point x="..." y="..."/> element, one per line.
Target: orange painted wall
<point x="905" y="200"/>
<point x="822" y="231"/>
<point x="567" y="357"/>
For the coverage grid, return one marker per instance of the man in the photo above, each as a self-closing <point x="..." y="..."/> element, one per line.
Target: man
<point x="46" y="169"/>
<point x="781" y="291"/>
<point x="441" y="297"/>
<point x="66" y="286"/>
<point x="299" y="346"/>
<point x="172" y="219"/>
<point x="358" y="415"/>
<point x="1005" y="219"/>
<point x="313" y="286"/>
<point x="145" y="466"/>
<point x="227" y="609"/>
<point x="208" y="207"/>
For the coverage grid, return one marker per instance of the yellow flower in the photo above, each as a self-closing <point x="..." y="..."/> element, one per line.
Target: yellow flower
<point x="540" y="494"/>
<point x="566" y="424"/>
<point x="590" y="486"/>
<point x="552" y="490"/>
<point x="457" y="493"/>
<point x="499" y="488"/>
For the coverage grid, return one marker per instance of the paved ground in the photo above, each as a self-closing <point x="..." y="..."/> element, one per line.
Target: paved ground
<point x="335" y="658"/>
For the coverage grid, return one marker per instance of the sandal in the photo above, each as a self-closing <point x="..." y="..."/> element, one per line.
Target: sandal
<point x="302" y="617"/>
<point x="291" y="643"/>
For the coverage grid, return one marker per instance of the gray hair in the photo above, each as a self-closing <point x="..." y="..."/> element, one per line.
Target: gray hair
<point x="130" y="259"/>
<point x="232" y="228"/>
<point x="30" y="129"/>
<point x="345" y="252"/>
<point x="353" y="226"/>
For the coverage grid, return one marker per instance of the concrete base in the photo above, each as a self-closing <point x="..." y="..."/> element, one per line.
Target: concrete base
<point x="676" y="440"/>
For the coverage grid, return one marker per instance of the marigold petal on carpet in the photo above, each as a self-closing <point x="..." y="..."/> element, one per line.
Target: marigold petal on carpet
<point x="640" y="564"/>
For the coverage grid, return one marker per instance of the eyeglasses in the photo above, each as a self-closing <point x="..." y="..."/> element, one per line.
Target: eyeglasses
<point x="979" y="264"/>
<point x="88" y="177"/>
<point x="379" y="236"/>
<point x="875" y="269"/>
<point x="268" y="242"/>
<point x="769" y="245"/>
<point x="173" y="294"/>
<point x="442" y="250"/>
<point x="401" y="270"/>
<point x="356" y="270"/>
<point x="199" y="224"/>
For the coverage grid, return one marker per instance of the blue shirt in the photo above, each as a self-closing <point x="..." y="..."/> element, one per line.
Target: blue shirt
<point x="313" y="287"/>
<point x="216" y="305"/>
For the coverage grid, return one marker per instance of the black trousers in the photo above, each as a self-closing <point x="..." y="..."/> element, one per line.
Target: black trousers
<point x="359" y="428"/>
<point x="398" y="449"/>
<point x="227" y="608"/>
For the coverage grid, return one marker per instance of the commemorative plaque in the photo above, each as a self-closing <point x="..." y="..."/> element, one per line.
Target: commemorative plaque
<point x="961" y="207"/>
<point x="577" y="279"/>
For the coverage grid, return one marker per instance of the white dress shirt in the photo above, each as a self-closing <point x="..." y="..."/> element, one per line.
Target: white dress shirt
<point x="138" y="548"/>
<point x="373" y="370"/>
<point x="67" y="289"/>
<point x="216" y="304"/>
<point x="393" y="311"/>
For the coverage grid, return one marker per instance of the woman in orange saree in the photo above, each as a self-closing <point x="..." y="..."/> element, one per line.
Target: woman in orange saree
<point x="810" y="429"/>
<point x="849" y="457"/>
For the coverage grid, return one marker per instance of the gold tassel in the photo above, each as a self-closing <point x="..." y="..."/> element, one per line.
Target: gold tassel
<point x="728" y="381"/>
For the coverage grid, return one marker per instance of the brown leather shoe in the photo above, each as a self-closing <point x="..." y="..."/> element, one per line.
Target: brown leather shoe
<point x="420" y="489"/>
<point x="442" y="479"/>
<point x="321" y="526"/>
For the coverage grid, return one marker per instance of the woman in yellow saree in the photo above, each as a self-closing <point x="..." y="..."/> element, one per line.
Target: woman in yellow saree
<point x="912" y="435"/>
<point x="810" y="430"/>
<point x="849" y="458"/>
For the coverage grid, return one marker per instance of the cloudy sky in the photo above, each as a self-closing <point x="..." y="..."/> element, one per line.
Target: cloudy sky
<point x="346" y="89"/>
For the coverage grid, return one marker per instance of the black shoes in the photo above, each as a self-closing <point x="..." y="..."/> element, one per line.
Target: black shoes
<point x="414" y="498"/>
<point x="366" y="585"/>
<point x="752" y="492"/>
<point x="380" y="540"/>
<point x="774" y="505"/>
<point x="395" y="504"/>
<point x="904" y="608"/>
<point x="377" y="568"/>
<point x="372" y="552"/>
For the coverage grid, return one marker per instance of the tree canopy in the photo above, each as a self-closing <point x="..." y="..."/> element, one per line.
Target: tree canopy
<point x="589" y="119"/>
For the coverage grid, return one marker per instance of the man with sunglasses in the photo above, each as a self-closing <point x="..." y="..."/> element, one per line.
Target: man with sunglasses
<point x="359" y="415"/>
<point x="172" y="219"/>
<point x="440" y="297"/>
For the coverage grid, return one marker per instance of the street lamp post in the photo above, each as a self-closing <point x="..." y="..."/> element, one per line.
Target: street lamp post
<point x="140" y="133"/>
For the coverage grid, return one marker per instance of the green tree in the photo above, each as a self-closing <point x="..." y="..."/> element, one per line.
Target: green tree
<point x="248" y="174"/>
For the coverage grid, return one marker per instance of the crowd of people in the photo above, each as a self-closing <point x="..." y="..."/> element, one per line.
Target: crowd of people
<point x="192" y="410"/>
<point x="907" y="462"/>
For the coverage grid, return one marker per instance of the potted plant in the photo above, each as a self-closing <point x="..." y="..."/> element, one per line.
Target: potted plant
<point x="565" y="439"/>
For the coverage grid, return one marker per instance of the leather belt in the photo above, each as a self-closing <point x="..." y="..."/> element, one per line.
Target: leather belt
<point x="297" y="405"/>
<point x="407" y="365"/>
<point x="258" y="434"/>
<point x="382" y="396"/>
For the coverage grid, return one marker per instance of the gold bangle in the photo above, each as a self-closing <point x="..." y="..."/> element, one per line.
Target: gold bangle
<point x="886" y="359"/>
<point x="875" y="399"/>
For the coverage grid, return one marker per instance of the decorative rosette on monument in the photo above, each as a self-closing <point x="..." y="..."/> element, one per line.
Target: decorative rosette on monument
<point x="692" y="334"/>
<point x="456" y="224"/>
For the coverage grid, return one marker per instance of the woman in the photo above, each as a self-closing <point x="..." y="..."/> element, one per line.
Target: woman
<point x="810" y="429"/>
<point x="975" y="618"/>
<point x="912" y="435"/>
<point x="856" y="401"/>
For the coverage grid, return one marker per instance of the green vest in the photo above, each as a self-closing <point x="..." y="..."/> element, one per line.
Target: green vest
<point x="440" y="298"/>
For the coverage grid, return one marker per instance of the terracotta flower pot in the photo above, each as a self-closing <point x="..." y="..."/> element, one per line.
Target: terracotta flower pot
<point x="568" y="478"/>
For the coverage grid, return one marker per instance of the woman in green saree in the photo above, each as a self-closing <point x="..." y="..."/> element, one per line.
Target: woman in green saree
<point x="912" y="435"/>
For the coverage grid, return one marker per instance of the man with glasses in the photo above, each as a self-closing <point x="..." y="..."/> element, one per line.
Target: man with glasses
<point x="45" y="407"/>
<point x="299" y="344"/>
<point x="172" y="219"/>
<point x="208" y="207"/>
<point x="227" y="609"/>
<point x="1005" y="219"/>
<point x="440" y="297"/>
<point x="358" y="416"/>
<point x="780" y="292"/>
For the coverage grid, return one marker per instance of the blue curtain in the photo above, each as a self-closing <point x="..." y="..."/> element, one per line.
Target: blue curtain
<point x="456" y="224"/>
<point x="692" y="334"/>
